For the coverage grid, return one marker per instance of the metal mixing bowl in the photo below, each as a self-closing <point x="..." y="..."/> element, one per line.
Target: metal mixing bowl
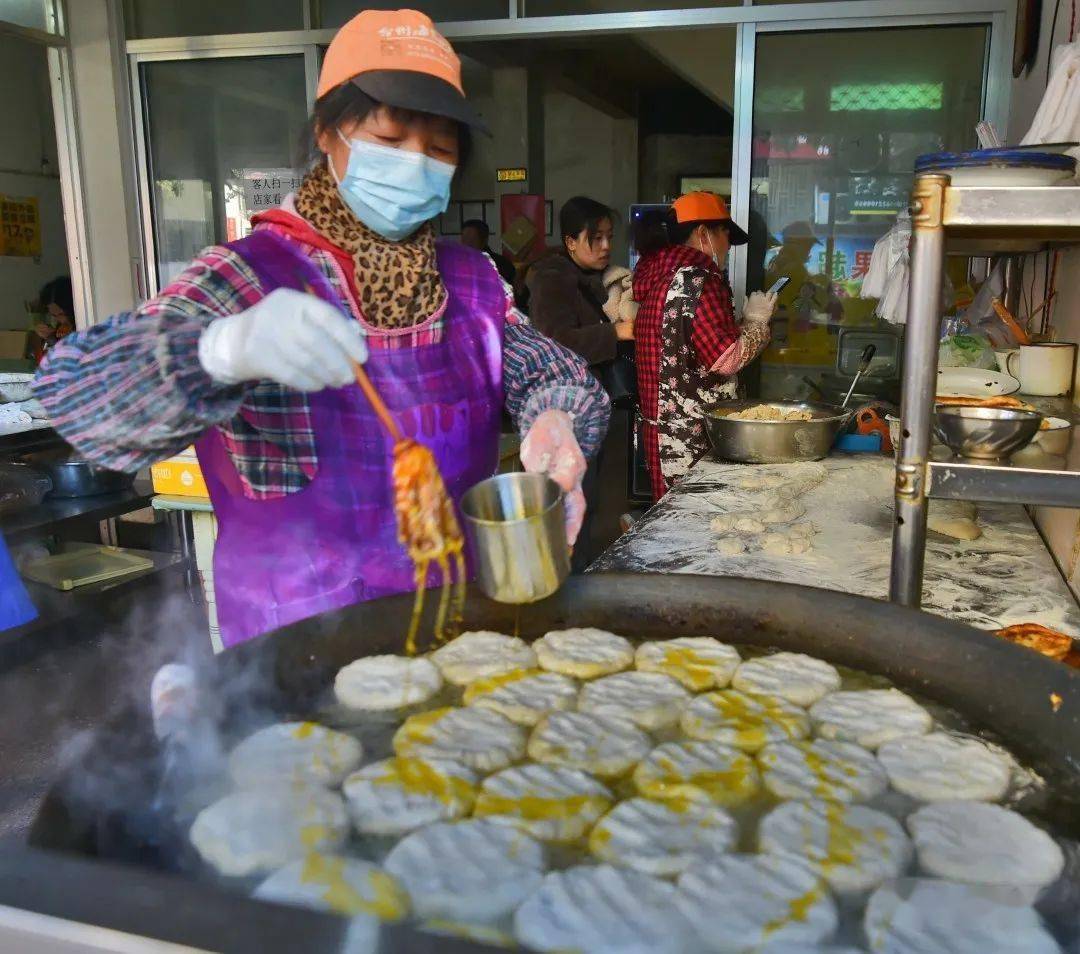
<point x="774" y="442"/>
<point x="985" y="433"/>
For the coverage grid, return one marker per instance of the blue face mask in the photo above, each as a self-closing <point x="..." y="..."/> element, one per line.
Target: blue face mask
<point x="393" y="191"/>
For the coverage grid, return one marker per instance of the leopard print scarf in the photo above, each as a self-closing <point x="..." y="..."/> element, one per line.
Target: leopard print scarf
<point x="398" y="282"/>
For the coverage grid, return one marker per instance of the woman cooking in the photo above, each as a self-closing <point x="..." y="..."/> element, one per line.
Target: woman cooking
<point x="689" y="346"/>
<point x="250" y="351"/>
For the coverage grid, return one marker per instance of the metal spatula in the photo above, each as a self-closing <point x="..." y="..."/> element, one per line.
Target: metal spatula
<point x="864" y="364"/>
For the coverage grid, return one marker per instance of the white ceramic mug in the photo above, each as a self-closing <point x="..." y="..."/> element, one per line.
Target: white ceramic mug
<point x="1002" y="357"/>
<point x="1044" y="369"/>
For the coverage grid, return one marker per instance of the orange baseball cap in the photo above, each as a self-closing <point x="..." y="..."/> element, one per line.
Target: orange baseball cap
<point x="398" y="57"/>
<point x="707" y="207"/>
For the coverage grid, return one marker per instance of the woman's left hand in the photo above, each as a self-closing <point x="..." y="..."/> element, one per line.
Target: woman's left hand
<point x="551" y="448"/>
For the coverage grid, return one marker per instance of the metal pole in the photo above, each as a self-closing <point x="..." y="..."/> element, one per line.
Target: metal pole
<point x="920" y="385"/>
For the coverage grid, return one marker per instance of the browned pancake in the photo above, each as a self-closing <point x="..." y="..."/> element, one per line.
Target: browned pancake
<point x="1042" y="639"/>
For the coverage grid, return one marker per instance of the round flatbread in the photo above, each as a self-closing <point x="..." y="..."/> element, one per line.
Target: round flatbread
<point x="698" y="770"/>
<point x="385" y="683"/>
<point x="794" y="677"/>
<point x="477" y="738"/>
<point x="919" y="916"/>
<point x="481" y="654"/>
<point x="255" y="831"/>
<point x="583" y="653"/>
<point x="524" y="696"/>
<point x="398" y="795"/>
<point x="942" y="767"/>
<point x="852" y="847"/>
<point x="595" y="744"/>
<point x="473" y="871"/>
<point x="984" y="844"/>
<point x="834" y="771"/>
<point x="288" y="752"/>
<point x="549" y="802"/>
<point x="745" y="722"/>
<point x="869" y="717"/>
<point x="662" y="838"/>
<point x="649" y="700"/>
<point x="601" y="909"/>
<point x="345" y="886"/>
<point x="698" y="662"/>
<point x="740" y="902"/>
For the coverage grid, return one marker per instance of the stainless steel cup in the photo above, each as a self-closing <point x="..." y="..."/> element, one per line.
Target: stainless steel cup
<point x="517" y="526"/>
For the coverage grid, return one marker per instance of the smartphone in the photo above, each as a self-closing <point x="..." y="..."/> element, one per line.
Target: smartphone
<point x="778" y="285"/>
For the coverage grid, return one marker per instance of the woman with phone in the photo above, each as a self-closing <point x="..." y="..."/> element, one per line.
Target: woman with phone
<point x="690" y="347"/>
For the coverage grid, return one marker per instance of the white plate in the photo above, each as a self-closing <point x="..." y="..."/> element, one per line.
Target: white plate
<point x="974" y="382"/>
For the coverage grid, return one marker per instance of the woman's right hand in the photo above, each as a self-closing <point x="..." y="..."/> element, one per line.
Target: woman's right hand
<point x="624" y="330"/>
<point x="290" y="337"/>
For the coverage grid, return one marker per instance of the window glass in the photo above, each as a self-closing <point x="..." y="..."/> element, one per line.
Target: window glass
<point x="839" y="118"/>
<point x="551" y="8"/>
<point x="223" y="138"/>
<point x="151" y="18"/>
<point x="335" y="12"/>
<point x="27" y="13"/>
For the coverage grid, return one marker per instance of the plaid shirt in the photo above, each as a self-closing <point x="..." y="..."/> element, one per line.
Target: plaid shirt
<point x="712" y="333"/>
<point x="131" y="391"/>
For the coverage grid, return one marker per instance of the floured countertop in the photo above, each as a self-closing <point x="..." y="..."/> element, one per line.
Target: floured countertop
<point x="1006" y="576"/>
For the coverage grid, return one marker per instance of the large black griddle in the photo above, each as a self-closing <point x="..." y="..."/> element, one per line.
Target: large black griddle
<point x="1030" y="704"/>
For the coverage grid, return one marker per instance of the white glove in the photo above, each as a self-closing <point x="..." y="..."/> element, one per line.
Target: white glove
<point x="551" y="448"/>
<point x="759" y="307"/>
<point x="289" y="337"/>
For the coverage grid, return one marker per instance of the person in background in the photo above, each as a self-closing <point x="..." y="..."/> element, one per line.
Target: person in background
<point x="797" y="242"/>
<point x="476" y="234"/>
<point x="251" y="351"/>
<point x="567" y="296"/>
<point x="566" y="289"/>
<point x="58" y="303"/>
<point x="690" y="348"/>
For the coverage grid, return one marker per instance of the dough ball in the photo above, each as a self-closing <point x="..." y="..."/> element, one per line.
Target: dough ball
<point x="480" y="655"/>
<point x="834" y="771"/>
<point x="919" y="916"/>
<point x="745" y="722"/>
<point x="548" y="802"/>
<point x="730" y="546"/>
<point x="583" y="653"/>
<point x="524" y="696"/>
<point x="698" y="662"/>
<point x="795" y="677"/>
<point x="649" y="700"/>
<point x="852" y="847"/>
<point x="785" y="544"/>
<point x="384" y="683"/>
<point x="294" y="752"/>
<point x="698" y="771"/>
<point x="592" y="743"/>
<point x="943" y="767"/>
<point x="984" y="844"/>
<point x="477" y="738"/>
<point x="869" y="717"/>
<point x="398" y="795"/>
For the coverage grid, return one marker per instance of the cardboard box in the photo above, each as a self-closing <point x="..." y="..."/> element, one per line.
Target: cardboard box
<point x="179" y="476"/>
<point x="13" y="345"/>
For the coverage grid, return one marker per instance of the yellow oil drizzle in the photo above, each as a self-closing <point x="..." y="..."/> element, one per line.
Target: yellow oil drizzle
<point x="731" y="786"/>
<point x="388" y="901"/>
<point x="417" y="777"/>
<point x="599" y="838"/>
<point x="750" y="717"/>
<point x="312" y="836"/>
<point x="304" y="730"/>
<point x="490" y="683"/>
<point x="538" y="808"/>
<point x="418" y="729"/>
<point x="798" y="910"/>
<point x="689" y="667"/>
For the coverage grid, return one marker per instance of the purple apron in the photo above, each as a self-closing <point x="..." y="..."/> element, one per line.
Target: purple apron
<point x="334" y="543"/>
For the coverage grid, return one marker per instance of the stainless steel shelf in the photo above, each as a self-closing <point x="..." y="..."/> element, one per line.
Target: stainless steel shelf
<point x="1002" y="483"/>
<point x="951" y="219"/>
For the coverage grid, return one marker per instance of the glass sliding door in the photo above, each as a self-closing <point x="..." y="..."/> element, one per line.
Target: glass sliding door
<point x="222" y="141"/>
<point x="838" y="119"/>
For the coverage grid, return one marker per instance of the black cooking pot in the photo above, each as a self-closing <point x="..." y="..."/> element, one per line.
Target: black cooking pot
<point x="1027" y="702"/>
